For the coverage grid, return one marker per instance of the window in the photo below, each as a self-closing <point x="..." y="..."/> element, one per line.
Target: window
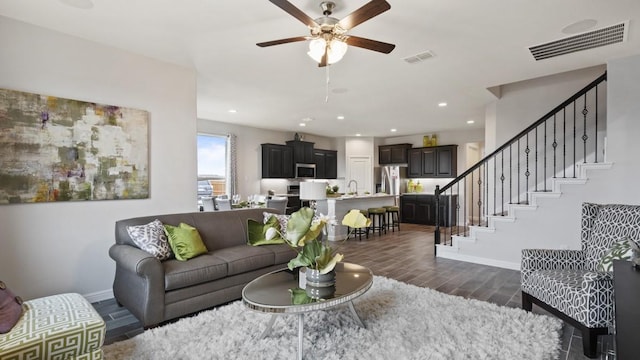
<point x="212" y="165"/>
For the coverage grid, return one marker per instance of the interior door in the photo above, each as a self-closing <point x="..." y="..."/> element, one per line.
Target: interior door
<point x="360" y="170"/>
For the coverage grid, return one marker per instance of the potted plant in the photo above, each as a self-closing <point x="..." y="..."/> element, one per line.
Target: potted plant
<point x="304" y="235"/>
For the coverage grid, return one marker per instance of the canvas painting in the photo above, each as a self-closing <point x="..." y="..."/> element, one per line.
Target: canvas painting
<point x="54" y="149"/>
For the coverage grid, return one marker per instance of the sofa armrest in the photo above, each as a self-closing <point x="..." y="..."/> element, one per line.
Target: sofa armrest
<point x="550" y="259"/>
<point x="597" y="279"/>
<point x="139" y="283"/>
<point x="598" y="286"/>
<point x="135" y="260"/>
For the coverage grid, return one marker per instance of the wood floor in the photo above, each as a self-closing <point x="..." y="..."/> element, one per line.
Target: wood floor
<point x="408" y="256"/>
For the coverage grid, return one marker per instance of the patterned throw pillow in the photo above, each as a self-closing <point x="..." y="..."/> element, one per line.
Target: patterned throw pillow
<point x="620" y="250"/>
<point x="152" y="239"/>
<point x="282" y="220"/>
<point x="10" y="309"/>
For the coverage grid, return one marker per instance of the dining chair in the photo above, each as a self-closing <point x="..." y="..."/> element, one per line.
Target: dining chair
<point x="207" y="203"/>
<point x="278" y="203"/>
<point x="223" y="204"/>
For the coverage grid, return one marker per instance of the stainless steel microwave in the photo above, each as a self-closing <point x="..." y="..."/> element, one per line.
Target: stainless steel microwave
<point x="305" y="171"/>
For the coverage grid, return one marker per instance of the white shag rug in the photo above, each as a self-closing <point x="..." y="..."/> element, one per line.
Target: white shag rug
<point x="403" y="322"/>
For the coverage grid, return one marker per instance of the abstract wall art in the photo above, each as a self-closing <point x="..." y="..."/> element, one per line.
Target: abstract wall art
<point x="55" y="149"/>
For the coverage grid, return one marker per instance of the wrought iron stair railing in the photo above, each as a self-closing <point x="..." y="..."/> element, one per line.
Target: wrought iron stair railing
<point x="549" y="148"/>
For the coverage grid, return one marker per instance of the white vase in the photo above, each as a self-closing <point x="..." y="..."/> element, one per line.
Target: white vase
<point x="302" y="277"/>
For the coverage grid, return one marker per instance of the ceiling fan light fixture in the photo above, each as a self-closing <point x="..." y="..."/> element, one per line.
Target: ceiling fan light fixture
<point x="336" y="50"/>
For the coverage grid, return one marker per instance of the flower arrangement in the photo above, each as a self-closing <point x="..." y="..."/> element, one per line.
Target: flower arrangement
<point x="304" y="236"/>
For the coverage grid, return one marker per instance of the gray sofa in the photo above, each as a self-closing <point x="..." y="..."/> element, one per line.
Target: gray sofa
<point x="155" y="291"/>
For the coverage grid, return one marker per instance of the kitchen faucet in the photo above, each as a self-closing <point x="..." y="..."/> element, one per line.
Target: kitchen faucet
<point x="349" y="186"/>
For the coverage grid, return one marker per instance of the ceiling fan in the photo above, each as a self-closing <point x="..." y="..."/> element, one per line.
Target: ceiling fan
<point x="328" y="35"/>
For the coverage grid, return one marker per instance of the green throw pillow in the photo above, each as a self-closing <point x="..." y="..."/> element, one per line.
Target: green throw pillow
<point x="257" y="232"/>
<point x="185" y="241"/>
<point x="620" y="250"/>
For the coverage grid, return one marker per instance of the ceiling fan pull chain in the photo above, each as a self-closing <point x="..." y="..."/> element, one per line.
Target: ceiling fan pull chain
<point x="326" y="98"/>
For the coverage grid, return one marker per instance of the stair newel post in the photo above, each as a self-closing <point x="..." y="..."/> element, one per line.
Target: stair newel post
<point x="437" y="233"/>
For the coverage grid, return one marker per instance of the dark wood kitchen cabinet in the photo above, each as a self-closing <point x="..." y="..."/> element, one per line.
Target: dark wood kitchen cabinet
<point x="326" y="163"/>
<point x="393" y="154"/>
<point x="277" y="161"/>
<point x="433" y="162"/>
<point x="302" y="151"/>
<point x="421" y="209"/>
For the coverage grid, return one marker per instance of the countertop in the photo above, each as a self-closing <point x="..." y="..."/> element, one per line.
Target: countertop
<point x="359" y="197"/>
<point x="424" y="193"/>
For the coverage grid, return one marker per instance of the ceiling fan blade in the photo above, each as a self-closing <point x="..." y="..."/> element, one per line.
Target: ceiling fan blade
<point x="369" y="44"/>
<point x="282" y="41"/>
<point x="325" y="57"/>
<point x="295" y="12"/>
<point x="366" y="12"/>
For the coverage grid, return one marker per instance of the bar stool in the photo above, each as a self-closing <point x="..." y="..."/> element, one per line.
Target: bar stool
<point x="359" y="231"/>
<point x="378" y="214"/>
<point x="393" y="217"/>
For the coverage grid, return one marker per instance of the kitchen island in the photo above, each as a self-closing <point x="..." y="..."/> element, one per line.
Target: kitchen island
<point x="336" y="208"/>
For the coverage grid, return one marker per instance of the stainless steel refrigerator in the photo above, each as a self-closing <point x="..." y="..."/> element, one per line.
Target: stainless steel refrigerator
<point x="390" y="179"/>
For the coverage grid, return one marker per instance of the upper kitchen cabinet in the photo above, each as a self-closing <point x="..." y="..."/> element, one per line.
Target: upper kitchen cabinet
<point x="302" y="151"/>
<point x="277" y="161"/>
<point x="326" y="163"/>
<point x="433" y="162"/>
<point x="393" y="154"/>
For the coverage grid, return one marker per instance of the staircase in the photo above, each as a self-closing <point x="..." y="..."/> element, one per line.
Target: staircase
<point x="528" y="183"/>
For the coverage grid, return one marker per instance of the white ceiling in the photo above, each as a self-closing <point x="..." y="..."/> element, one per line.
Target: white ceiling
<point x="477" y="45"/>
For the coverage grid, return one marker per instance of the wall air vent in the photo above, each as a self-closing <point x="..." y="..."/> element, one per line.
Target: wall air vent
<point x="419" y="57"/>
<point x="601" y="37"/>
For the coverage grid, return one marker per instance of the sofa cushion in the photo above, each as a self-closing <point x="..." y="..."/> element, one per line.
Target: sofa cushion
<point x="10" y="309"/>
<point x="283" y="253"/>
<point x="151" y="238"/>
<point x="185" y="241"/>
<point x="204" y="268"/>
<point x="244" y="258"/>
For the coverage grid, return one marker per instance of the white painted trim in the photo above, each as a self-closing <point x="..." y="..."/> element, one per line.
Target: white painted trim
<point x="477" y="260"/>
<point x="99" y="296"/>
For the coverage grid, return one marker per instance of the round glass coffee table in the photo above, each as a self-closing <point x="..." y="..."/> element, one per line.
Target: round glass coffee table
<point x="274" y="293"/>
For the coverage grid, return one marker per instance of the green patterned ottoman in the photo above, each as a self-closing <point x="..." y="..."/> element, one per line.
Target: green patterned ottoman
<point x="63" y="326"/>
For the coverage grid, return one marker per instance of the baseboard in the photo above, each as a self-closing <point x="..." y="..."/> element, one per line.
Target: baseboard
<point x="478" y="260"/>
<point x="99" y="296"/>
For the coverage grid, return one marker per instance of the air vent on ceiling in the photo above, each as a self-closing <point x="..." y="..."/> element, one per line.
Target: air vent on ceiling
<point x="588" y="40"/>
<point x="419" y="57"/>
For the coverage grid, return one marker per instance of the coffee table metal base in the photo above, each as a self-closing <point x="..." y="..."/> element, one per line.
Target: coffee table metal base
<point x="267" y="331"/>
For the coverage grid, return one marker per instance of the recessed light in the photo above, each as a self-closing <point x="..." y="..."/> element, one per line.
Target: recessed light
<point x="394" y="130"/>
<point x="358" y="135"/>
<point x="340" y="117"/>
<point x="233" y="111"/>
<point x="79" y="4"/>
<point x="303" y="124"/>
<point x="470" y="121"/>
<point x="442" y="104"/>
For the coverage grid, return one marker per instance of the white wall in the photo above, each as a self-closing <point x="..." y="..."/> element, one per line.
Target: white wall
<point x="524" y="102"/>
<point x="63" y="247"/>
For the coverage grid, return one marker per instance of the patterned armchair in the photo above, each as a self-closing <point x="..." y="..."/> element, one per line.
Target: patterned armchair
<point x="567" y="283"/>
